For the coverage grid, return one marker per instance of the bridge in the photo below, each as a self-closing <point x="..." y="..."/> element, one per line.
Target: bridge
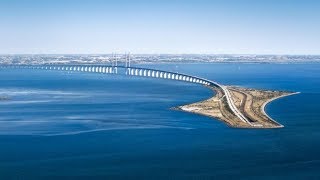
<point x="137" y="71"/>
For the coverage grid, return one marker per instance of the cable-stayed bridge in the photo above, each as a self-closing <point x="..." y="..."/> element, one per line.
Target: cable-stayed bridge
<point x="141" y="72"/>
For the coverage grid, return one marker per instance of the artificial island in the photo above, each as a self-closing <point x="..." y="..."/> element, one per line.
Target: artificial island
<point x="250" y="102"/>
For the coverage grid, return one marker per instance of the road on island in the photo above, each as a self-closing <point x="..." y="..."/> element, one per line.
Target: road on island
<point x="231" y="104"/>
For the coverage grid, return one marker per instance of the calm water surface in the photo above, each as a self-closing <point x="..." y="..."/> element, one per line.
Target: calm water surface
<point x="80" y="126"/>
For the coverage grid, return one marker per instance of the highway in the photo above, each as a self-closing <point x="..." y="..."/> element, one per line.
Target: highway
<point x="230" y="102"/>
<point x="233" y="107"/>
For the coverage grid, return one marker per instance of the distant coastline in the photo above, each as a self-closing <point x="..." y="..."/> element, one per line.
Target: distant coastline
<point x="156" y="58"/>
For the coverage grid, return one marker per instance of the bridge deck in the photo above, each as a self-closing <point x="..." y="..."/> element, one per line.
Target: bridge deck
<point x="144" y="72"/>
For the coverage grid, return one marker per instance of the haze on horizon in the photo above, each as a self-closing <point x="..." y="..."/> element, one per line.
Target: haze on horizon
<point x="163" y="26"/>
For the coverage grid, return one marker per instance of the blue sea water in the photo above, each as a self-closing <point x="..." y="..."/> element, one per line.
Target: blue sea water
<point x="60" y="125"/>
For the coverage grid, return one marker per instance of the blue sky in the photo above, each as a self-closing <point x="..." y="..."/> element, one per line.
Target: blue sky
<point x="162" y="26"/>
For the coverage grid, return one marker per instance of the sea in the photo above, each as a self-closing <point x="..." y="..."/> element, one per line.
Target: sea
<point x="72" y="125"/>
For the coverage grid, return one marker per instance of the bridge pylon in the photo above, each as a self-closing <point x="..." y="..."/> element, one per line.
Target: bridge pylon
<point x="127" y="59"/>
<point x="116" y="64"/>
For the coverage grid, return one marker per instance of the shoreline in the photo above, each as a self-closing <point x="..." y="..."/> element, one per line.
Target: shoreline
<point x="178" y="108"/>
<point x="263" y="107"/>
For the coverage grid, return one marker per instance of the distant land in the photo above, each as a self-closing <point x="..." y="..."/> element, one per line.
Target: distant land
<point x="155" y="58"/>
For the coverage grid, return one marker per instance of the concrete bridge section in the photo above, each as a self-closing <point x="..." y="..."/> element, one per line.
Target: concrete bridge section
<point x="136" y="71"/>
<point x="131" y="71"/>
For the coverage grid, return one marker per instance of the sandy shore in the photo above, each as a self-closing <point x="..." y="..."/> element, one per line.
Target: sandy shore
<point x="263" y="107"/>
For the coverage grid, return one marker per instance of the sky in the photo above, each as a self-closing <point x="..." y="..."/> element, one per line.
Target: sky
<point x="160" y="26"/>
